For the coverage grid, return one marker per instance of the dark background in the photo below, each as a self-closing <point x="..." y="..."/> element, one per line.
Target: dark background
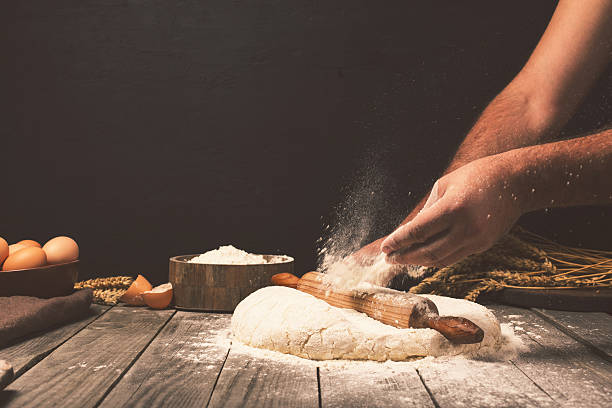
<point x="146" y="129"/>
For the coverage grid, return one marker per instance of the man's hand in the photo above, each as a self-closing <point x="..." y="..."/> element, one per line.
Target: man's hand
<point x="571" y="54"/>
<point x="366" y="255"/>
<point x="467" y="211"/>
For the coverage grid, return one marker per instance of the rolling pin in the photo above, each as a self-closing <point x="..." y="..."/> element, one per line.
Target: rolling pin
<point x="398" y="309"/>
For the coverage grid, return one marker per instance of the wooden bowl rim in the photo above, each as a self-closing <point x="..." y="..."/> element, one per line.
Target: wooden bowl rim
<point x="40" y="268"/>
<point x="287" y="259"/>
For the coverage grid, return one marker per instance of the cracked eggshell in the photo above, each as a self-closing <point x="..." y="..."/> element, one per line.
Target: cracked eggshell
<point x="159" y="297"/>
<point x="133" y="296"/>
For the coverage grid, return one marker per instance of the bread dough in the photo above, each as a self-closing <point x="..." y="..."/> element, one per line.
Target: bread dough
<point x="293" y="322"/>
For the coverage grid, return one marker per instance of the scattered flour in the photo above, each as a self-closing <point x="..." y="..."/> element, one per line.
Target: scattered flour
<point x="230" y="255"/>
<point x="292" y="322"/>
<point x="348" y="273"/>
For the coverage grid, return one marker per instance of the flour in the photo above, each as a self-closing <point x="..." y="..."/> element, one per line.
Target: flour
<point x="229" y="255"/>
<point x="348" y="273"/>
<point x="293" y="322"/>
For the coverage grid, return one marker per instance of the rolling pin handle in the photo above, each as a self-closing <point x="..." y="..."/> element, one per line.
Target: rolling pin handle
<point x="285" y="279"/>
<point x="457" y="330"/>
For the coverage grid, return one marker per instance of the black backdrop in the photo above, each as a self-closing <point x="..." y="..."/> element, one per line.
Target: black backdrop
<point x="146" y="129"/>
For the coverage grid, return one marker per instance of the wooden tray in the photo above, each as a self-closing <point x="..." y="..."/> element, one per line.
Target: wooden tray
<point x="219" y="288"/>
<point x="44" y="282"/>
<point x="578" y="300"/>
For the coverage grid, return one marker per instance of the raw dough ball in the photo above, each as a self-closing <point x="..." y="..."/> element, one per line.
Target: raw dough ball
<point x="293" y="322"/>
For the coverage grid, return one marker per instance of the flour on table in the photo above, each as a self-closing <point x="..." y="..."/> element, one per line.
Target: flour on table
<point x="289" y="321"/>
<point x="229" y="255"/>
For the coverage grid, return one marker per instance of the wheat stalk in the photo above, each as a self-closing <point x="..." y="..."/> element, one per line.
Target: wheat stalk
<point x="521" y="259"/>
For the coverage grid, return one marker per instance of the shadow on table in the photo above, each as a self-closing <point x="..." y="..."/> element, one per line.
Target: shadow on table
<point x="6" y="396"/>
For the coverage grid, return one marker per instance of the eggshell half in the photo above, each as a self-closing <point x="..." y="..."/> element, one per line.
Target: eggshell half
<point x="159" y="297"/>
<point x="133" y="296"/>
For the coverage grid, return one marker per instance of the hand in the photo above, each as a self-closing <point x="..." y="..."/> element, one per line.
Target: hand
<point x="367" y="255"/>
<point x="467" y="211"/>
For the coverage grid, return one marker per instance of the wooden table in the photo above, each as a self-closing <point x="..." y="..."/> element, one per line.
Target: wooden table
<point x="123" y="356"/>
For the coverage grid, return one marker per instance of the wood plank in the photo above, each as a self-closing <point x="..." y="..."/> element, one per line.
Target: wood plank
<point x="180" y="367"/>
<point x="248" y="381"/>
<point x="27" y="352"/>
<point x="381" y="386"/>
<point x="457" y="382"/>
<point x="80" y="371"/>
<point x="593" y="329"/>
<point x="562" y="367"/>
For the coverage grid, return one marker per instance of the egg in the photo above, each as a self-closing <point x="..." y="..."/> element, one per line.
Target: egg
<point x="4" y="250"/>
<point x="133" y="296"/>
<point x="29" y="242"/>
<point x="159" y="297"/>
<point x="15" y="247"/>
<point x="29" y="257"/>
<point x="61" y="250"/>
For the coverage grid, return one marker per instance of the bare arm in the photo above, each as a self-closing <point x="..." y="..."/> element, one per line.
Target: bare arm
<point x="572" y="53"/>
<point x="569" y="57"/>
<point x="471" y="207"/>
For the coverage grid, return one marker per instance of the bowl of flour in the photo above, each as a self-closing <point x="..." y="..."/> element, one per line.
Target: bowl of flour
<point x="219" y="279"/>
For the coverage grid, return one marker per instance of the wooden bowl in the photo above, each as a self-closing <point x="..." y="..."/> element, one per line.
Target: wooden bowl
<point x="219" y="288"/>
<point x="44" y="282"/>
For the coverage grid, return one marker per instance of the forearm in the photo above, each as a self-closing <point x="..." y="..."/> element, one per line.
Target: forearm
<point x="566" y="173"/>
<point x="573" y="51"/>
<point x="514" y="119"/>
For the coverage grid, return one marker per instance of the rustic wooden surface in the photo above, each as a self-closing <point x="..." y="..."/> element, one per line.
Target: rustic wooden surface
<point x="344" y="387"/>
<point x="248" y="382"/>
<point x="137" y="357"/>
<point x="26" y="353"/>
<point x="563" y="368"/>
<point x="192" y="347"/>
<point x="594" y="332"/>
<point x="80" y="371"/>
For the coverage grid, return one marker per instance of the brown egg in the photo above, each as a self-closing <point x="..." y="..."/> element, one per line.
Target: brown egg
<point x="15" y="247"/>
<point x="29" y="242"/>
<point x="61" y="250"/>
<point x="26" y="258"/>
<point x="4" y="250"/>
<point x="133" y="296"/>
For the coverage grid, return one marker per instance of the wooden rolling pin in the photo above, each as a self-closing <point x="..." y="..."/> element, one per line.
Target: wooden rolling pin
<point x="394" y="308"/>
